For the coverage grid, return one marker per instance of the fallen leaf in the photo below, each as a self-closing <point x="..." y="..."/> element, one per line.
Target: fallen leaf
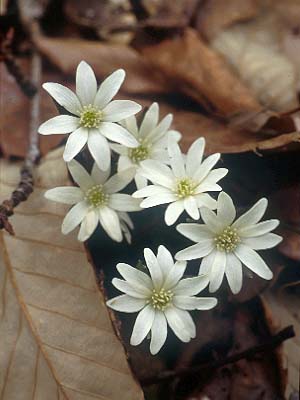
<point x="57" y="340"/>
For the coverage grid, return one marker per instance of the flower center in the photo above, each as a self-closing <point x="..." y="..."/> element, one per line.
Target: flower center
<point x="139" y="153"/>
<point x="227" y="240"/>
<point x="90" y="117"/>
<point x="96" y="197"/>
<point x="185" y="187"/>
<point x="160" y="299"/>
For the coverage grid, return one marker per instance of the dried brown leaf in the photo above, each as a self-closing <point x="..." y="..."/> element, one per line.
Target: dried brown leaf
<point x="57" y="341"/>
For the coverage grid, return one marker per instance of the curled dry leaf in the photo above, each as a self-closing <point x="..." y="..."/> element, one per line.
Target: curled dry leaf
<point x="57" y="341"/>
<point x="198" y="71"/>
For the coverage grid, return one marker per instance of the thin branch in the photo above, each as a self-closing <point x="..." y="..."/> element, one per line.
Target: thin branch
<point x="273" y="342"/>
<point x="25" y="186"/>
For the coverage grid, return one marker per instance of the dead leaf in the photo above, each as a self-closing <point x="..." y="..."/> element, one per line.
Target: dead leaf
<point x="198" y="71"/>
<point x="57" y="341"/>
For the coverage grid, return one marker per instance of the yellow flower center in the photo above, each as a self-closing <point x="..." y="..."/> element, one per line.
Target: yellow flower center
<point x="185" y="187"/>
<point x="90" y="117"/>
<point x="160" y="299"/>
<point x="139" y="153"/>
<point x="227" y="240"/>
<point x="96" y="197"/>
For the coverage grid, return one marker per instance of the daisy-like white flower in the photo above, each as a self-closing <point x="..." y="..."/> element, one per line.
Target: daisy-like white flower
<point x="226" y="244"/>
<point x="184" y="184"/>
<point x="161" y="299"/>
<point x="152" y="136"/>
<point x="96" y="200"/>
<point x="94" y="116"/>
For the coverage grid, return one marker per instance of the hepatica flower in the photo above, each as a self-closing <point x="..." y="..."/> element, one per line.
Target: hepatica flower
<point x="184" y="183"/>
<point x="152" y="136"/>
<point x="96" y="200"/>
<point x="94" y="116"/>
<point x="225" y="243"/>
<point x="161" y="298"/>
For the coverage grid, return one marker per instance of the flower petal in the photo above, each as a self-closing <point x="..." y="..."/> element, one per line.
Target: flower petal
<point x="88" y="226"/>
<point x="140" y="181"/>
<point x="150" y="120"/>
<point x="195" y="232"/>
<point x="117" y="133"/>
<point x="154" y="268"/>
<point x="75" y="143"/>
<point x="123" y="202"/>
<point x="209" y="182"/>
<point x="65" y="194"/>
<point x="142" y="326"/>
<point x="263" y="242"/>
<point x="165" y="260"/>
<point x="134" y="276"/>
<point x="191" y="207"/>
<point x="58" y="125"/>
<point x="99" y="176"/>
<point x="205" y="200"/>
<point x="217" y="271"/>
<point x="86" y="84"/>
<point x="253" y="261"/>
<point x="64" y="96"/>
<point x="207" y="263"/>
<point x="119" y="181"/>
<point x="252" y="216"/>
<point x="161" y="128"/>
<point x="153" y="201"/>
<point x="159" y="332"/>
<point x="177" y="320"/>
<point x="203" y="170"/>
<point x="110" y="223"/>
<point x="109" y="88"/>
<point x="213" y="223"/>
<point x="191" y="286"/>
<point x="99" y="149"/>
<point x="259" y="229"/>
<point x="194" y="303"/>
<point x="117" y="110"/>
<point x="125" y="303"/>
<point x="176" y="159"/>
<point x="174" y="275"/>
<point x="194" y="156"/>
<point x="173" y="211"/>
<point x="225" y="209"/>
<point x="131" y="125"/>
<point x="80" y="175"/>
<point x="74" y="217"/>
<point x="133" y="290"/>
<point x="195" y="251"/>
<point x="158" y="173"/>
<point x="234" y="273"/>
<point x="150" y="190"/>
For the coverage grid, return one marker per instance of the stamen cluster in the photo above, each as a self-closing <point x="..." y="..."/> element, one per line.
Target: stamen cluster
<point x="227" y="240"/>
<point x="160" y="299"/>
<point x="90" y="117"/>
<point x="139" y="153"/>
<point x="96" y="197"/>
<point x="185" y="187"/>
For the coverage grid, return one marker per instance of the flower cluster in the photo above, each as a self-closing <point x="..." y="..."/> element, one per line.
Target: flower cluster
<point x="150" y="155"/>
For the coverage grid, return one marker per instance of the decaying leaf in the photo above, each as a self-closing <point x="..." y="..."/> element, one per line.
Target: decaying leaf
<point x="57" y="341"/>
<point x="196" y="70"/>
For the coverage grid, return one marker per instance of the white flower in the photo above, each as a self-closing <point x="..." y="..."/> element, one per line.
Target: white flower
<point x="225" y="245"/>
<point x="153" y="141"/>
<point x="184" y="184"/>
<point x="94" y="115"/>
<point x="96" y="200"/>
<point x="162" y="298"/>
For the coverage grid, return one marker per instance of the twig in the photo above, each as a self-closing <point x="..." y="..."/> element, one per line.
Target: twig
<point x="25" y="186"/>
<point x="269" y="345"/>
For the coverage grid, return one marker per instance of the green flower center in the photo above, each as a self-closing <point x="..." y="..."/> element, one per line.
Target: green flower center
<point x="90" y="117"/>
<point x="139" y="153"/>
<point x="185" y="187"/>
<point x="160" y="299"/>
<point x="227" y="240"/>
<point x="96" y="197"/>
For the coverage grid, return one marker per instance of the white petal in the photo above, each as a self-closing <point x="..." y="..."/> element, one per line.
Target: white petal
<point x="195" y="251"/>
<point x="124" y="162"/>
<point x="64" y="96"/>
<point x="150" y="120"/>
<point x="234" y="273"/>
<point x="259" y="229"/>
<point x="150" y="190"/>
<point x="217" y="271"/>
<point x="207" y="187"/>
<point x="74" y="217"/>
<point x="225" y="209"/>
<point x="110" y="222"/>
<point x="65" y="194"/>
<point x="191" y="286"/>
<point x="263" y="242"/>
<point x="117" y="133"/>
<point x="58" y="125"/>
<point x="99" y="176"/>
<point x="174" y="275"/>
<point x="153" y="201"/>
<point x="205" y="200"/>
<point x="194" y="303"/>
<point x="125" y="303"/>
<point x="119" y="181"/>
<point x="207" y="263"/>
<point x="131" y="125"/>
<point x="88" y="226"/>
<point x="75" y="143"/>
<point x="142" y="326"/>
<point x="117" y="110"/>
<point x="253" y="261"/>
<point x="176" y="159"/>
<point x="191" y="207"/>
<point x="253" y="215"/>
<point x="154" y="268"/>
<point x="202" y="171"/>
<point x="109" y="88"/>
<point x="173" y="211"/>
<point x="177" y="321"/>
<point x="194" y="156"/>
<point x="134" y="276"/>
<point x="133" y="290"/>
<point x="159" y="332"/>
<point x="123" y="202"/>
<point x="161" y="128"/>
<point x="209" y="182"/>
<point x="86" y="84"/>
<point x="140" y="181"/>
<point x="99" y="149"/>
<point x="158" y="173"/>
<point x="165" y="260"/>
<point x="213" y="223"/>
<point x="195" y="232"/>
<point x="80" y="175"/>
